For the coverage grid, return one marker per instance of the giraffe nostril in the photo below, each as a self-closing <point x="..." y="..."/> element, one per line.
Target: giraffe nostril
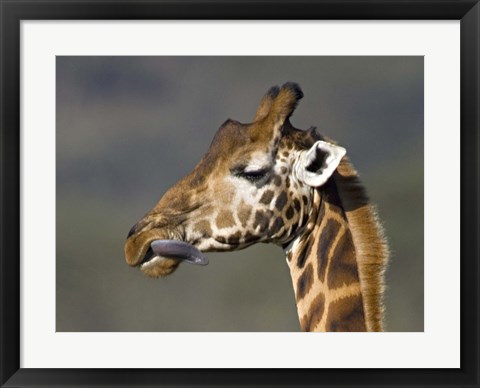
<point x="132" y="230"/>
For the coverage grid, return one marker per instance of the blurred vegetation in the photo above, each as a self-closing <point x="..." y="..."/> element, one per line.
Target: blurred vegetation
<point x="130" y="127"/>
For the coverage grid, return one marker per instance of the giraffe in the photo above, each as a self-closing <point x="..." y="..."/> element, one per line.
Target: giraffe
<point x="270" y="182"/>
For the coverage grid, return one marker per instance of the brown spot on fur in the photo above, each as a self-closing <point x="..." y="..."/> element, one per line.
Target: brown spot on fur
<point x="289" y="213"/>
<point x="267" y="197"/>
<point x="314" y="315"/>
<point x="305" y="199"/>
<point x="277" y="225"/>
<point x="244" y="212"/>
<point x="261" y="221"/>
<point x="221" y="239"/>
<point x="296" y="204"/>
<point x="224" y="219"/>
<point x="285" y="153"/>
<point x="283" y="170"/>
<point x="343" y="266"/>
<point x="277" y="180"/>
<point x="203" y="228"/>
<point x="281" y="201"/>
<point x="324" y="242"/>
<point x="304" y="253"/>
<point x="249" y="237"/>
<point x="346" y="315"/>
<point x="305" y="282"/>
<point x="235" y="238"/>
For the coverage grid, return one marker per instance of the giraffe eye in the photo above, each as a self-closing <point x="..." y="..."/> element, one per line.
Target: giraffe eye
<point x="252" y="176"/>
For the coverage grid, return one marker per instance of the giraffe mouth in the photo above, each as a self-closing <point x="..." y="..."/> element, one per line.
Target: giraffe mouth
<point x="174" y="249"/>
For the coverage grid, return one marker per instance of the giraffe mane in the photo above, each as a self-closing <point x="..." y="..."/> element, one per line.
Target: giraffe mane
<point x="369" y="239"/>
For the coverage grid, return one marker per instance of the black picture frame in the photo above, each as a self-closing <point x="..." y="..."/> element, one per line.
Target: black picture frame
<point x="13" y="11"/>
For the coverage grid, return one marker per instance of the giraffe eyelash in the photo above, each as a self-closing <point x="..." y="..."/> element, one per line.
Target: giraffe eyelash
<point x="252" y="176"/>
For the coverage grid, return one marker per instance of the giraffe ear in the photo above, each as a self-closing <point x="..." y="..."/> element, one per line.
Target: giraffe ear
<point x="316" y="165"/>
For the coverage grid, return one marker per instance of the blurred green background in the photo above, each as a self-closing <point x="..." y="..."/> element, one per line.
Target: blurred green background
<point x="130" y="127"/>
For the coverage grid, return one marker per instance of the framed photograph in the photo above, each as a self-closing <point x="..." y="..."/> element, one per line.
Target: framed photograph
<point x="237" y="194"/>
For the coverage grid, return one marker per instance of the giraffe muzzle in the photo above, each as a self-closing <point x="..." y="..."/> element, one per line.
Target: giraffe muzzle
<point x="178" y="250"/>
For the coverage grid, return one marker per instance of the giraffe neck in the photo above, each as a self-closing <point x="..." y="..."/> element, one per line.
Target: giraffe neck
<point x="324" y="269"/>
<point x="338" y="263"/>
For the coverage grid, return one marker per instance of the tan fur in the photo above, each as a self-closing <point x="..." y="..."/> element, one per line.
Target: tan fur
<point x="369" y="240"/>
<point x="161" y="268"/>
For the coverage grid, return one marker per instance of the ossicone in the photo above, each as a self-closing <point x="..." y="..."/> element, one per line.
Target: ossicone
<point x="278" y="104"/>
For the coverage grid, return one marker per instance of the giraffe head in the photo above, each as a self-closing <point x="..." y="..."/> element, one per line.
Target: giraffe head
<point x="254" y="184"/>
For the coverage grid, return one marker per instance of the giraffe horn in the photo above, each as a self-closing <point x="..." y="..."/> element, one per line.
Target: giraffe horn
<point x="179" y="250"/>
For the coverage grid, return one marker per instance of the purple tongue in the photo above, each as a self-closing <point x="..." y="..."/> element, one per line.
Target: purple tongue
<point x="179" y="250"/>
